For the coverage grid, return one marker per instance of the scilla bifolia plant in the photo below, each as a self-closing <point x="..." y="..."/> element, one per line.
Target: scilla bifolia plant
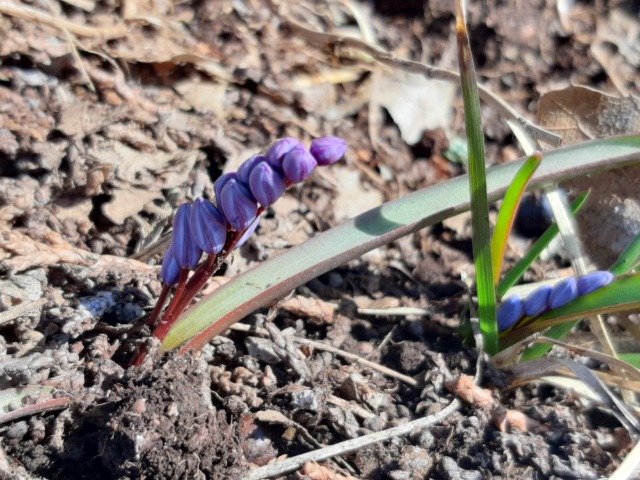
<point x="274" y="278"/>
<point x="215" y="230"/>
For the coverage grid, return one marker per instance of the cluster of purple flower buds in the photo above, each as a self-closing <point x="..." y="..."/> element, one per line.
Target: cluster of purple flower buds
<point x="259" y="182"/>
<point x="547" y="297"/>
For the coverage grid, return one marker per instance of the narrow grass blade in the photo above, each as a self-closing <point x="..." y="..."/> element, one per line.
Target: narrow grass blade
<point x="273" y="279"/>
<point x="516" y="272"/>
<point x="622" y="294"/>
<point x="632" y="359"/>
<point x="478" y="187"/>
<point x="508" y="211"/>
<point x="629" y="259"/>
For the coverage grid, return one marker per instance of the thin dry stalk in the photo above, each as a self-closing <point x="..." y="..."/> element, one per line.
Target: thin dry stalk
<point x="25" y="12"/>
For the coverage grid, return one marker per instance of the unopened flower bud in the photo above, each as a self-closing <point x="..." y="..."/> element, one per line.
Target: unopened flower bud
<point x="277" y="151"/>
<point x="208" y="226"/>
<point x="237" y="204"/>
<point x="267" y="184"/>
<point x="248" y="232"/>
<point x="563" y="292"/>
<point x="509" y="312"/>
<point x="593" y="281"/>
<point x="185" y="250"/>
<point x="170" y="269"/>
<point x="244" y="171"/>
<point x="298" y="164"/>
<point x="221" y="182"/>
<point x="328" y="150"/>
<point x="537" y="301"/>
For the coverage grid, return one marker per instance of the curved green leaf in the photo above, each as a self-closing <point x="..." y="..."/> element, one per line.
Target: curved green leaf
<point x="508" y="211"/>
<point x="274" y="278"/>
<point x="515" y="273"/>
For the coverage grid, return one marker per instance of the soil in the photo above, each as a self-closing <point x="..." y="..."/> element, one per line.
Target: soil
<point x="105" y="131"/>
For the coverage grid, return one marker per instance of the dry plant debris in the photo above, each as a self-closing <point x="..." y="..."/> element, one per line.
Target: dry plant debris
<point x="112" y="115"/>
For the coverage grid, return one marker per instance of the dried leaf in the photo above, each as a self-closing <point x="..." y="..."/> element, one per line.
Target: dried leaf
<point x="318" y="310"/>
<point x="414" y="102"/>
<point x="579" y="114"/>
<point x="504" y="419"/>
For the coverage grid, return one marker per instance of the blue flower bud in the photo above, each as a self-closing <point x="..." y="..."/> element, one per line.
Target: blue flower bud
<point x="509" y="312"/>
<point x="248" y="232"/>
<point x="267" y="185"/>
<point x="244" y="171"/>
<point x="277" y="151"/>
<point x="185" y="250"/>
<point x="593" y="281"/>
<point x="208" y="226"/>
<point x="562" y="293"/>
<point x="222" y="181"/>
<point x="537" y="301"/>
<point x="328" y="150"/>
<point x="170" y="269"/>
<point x="298" y="164"/>
<point x="237" y="204"/>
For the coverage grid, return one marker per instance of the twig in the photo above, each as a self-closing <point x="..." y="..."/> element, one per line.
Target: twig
<point x="46" y="406"/>
<point x="240" y="327"/>
<point x="20" y="310"/>
<point x="348" y="446"/>
<point x="337" y="41"/>
<point x="32" y="14"/>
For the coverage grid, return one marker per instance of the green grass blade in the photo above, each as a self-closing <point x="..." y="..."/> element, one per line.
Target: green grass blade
<point x="508" y="211"/>
<point x="629" y="259"/>
<point x="274" y="278"/>
<point x="632" y="359"/>
<point x="478" y="188"/>
<point x="518" y="270"/>
<point x="620" y="295"/>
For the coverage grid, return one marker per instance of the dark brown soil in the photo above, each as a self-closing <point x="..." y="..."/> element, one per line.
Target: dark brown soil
<point x="99" y="145"/>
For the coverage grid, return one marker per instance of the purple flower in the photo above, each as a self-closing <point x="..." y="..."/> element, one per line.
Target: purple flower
<point x="537" y="301"/>
<point x="244" y="171"/>
<point x="277" y="151"/>
<point x="222" y="181"/>
<point x="328" y="150"/>
<point x="509" y="312"/>
<point x="185" y="250"/>
<point x="267" y="184"/>
<point x="170" y="269"/>
<point x="237" y="204"/>
<point x="562" y="293"/>
<point x="208" y="226"/>
<point x="298" y="164"/>
<point x="248" y="233"/>
<point x="593" y="281"/>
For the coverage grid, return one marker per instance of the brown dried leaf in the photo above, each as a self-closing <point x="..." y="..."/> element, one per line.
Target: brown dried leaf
<point x="315" y="471"/>
<point x="318" y="310"/>
<point x="465" y="388"/>
<point x="128" y="202"/>
<point x="580" y="114"/>
<point x="83" y="118"/>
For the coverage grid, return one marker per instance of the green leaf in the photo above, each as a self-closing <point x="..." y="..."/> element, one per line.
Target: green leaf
<point x="481" y="229"/>
<point x="508" y="211"/>
<point x="516" y="272"/>
<point x="620" y="295"/>
<point x="273" y="279"/>
<point x="632" y="359"/>
<point x="629" y="259"/>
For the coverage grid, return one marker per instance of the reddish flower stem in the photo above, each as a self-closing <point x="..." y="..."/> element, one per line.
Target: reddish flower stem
<point x="157" y="310"/>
